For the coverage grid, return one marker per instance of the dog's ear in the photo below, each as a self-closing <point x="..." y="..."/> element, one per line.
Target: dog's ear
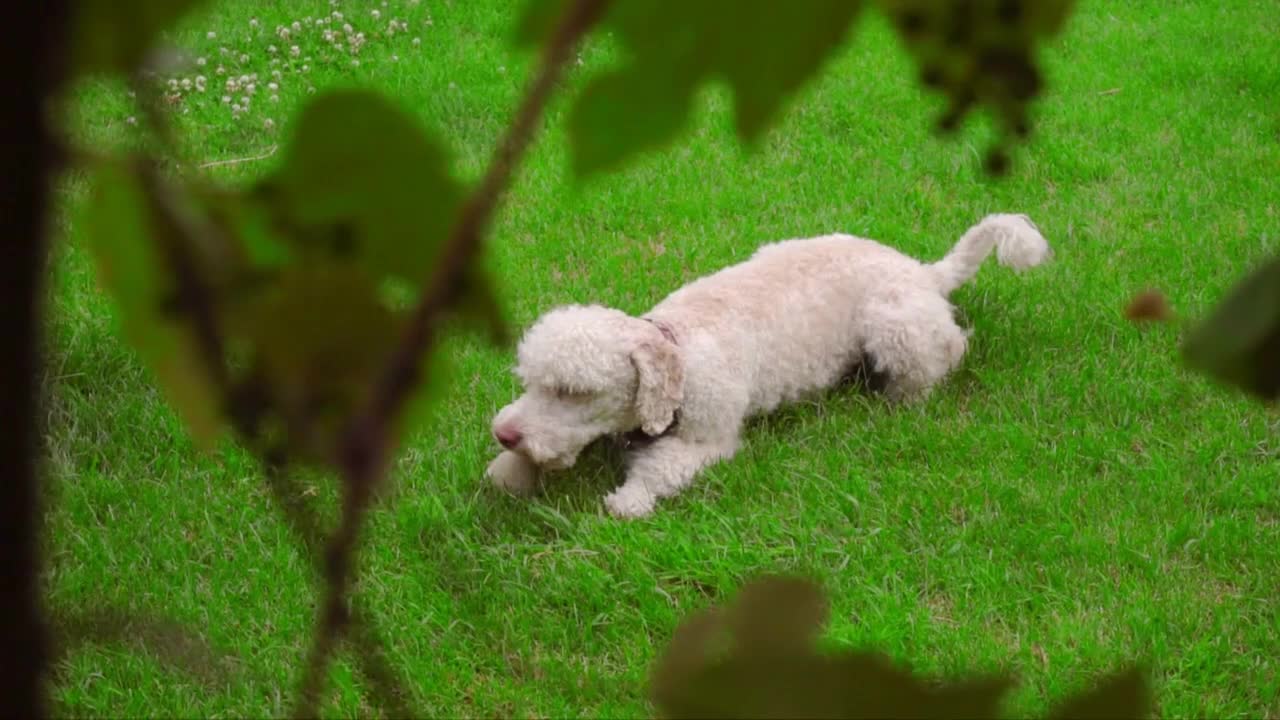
<point x="661" y="387"/>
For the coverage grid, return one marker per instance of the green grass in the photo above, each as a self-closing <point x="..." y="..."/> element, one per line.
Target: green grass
<point x="1070" y="501"/>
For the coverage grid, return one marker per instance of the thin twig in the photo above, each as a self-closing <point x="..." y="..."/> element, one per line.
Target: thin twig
<point x="193" y="295"/>
<point x="237" y="161"/>
<point x="364" y="455"/>
<point x="385" y="684"/>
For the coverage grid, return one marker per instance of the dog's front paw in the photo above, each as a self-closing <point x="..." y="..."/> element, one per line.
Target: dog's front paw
<point x="514" y="473"/>
<point x="629" y="501"/>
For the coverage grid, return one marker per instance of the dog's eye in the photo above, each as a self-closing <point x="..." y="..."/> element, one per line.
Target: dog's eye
<point x="565" y="393"/>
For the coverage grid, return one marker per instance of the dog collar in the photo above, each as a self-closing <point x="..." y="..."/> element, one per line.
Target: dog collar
<point x="665" y="329"/>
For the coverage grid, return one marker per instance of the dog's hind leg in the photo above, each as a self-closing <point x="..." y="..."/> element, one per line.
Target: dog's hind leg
<point x="914" y="342"/>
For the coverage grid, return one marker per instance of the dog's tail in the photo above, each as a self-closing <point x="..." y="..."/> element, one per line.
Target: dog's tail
<point x="1017" y="241"/>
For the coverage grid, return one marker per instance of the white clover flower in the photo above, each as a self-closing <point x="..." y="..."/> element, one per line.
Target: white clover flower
<point x="417" y="42"/>
<point x="201" y="61"/>
<point x="273" y="87"/>
<point x="306" y="68"/>
<point x="186" y="83"/>
<point x="220" y="71"/>
<point x="131" y="120"/>
<point x="311" y="91"/>
<point x="395" y="58"/>
<point x="348" y="29"/>
<point x="251" y="88"/>
<point x="271" y="49"/>
<point x="253" y="23"/>
<point x="295" y="51"/>
<point x="355" y="63"/>
<point x="226" y="99"/>
<point x="275" y="75"/>
<point x="269" y="124"/>
<point x="376" y="15"/>
<point x="297" y="26"/>
<point x="211" y="35"/>
<point x="244" y="58"/>
<point x="274" y="98"/>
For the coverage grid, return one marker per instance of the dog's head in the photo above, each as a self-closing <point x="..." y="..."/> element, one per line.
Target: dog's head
<point x="589" y="371"/>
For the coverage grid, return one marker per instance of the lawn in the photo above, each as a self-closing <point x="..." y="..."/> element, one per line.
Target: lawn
<point x="1070" y="501"/>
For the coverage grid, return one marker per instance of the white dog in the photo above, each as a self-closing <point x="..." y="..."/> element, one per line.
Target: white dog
<point x="795" y="318"/>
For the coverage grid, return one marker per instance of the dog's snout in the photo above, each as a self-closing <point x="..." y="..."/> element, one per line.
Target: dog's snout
<point x="508" y="436"/>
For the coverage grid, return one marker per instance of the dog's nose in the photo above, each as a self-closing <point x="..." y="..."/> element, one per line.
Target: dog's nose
<point x="508" y="436"/>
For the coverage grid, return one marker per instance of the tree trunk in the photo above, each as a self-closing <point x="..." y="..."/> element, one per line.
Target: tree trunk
<point x="33" y="53"/>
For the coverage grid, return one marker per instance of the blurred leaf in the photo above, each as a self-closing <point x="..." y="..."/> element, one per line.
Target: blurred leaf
<point x="758" y="659"/>
<point x="1150" y="306"/>
<point x="479" y="306"/>
<point x="763" y="49"/>
<point x="1123" y="695"/>
<point x="537" y="21"/>
<point x="977" y="52"/>
<point x="318" y="335"/>
<point x="1239" y="343"/>
<point x="123" y="224"/>
<point x="117" y="35"/>
<point x="980" y="53"/>
<point x="796" y="608"/>
<point x="362" y="181"/>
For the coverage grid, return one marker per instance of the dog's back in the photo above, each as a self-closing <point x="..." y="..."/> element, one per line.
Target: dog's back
<point x="787" y="318"/>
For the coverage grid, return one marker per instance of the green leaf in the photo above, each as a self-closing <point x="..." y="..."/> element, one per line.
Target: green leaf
<point x="764" y="50"/>
<point x="1122" y="695"/>
<point x="123" y="227"/>
<point x="1239" y="343"/>
<point x="757" y="658"/>
<point x="537" y="21"/>
<point x="362" y="181"/>
<point x="116" y="35"/>
<point x="317" y="337"/>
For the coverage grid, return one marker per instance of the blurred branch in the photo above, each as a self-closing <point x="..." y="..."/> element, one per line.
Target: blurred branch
<point x="365" y="453"/>
<point x="34" y="51"/>
<point x="385" y="684"/>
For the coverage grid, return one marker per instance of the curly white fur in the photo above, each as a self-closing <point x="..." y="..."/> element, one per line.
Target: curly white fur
<point x="791" y="320"/>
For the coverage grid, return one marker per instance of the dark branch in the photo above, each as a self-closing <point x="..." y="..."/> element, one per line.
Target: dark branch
<point x="34" y="50"/>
